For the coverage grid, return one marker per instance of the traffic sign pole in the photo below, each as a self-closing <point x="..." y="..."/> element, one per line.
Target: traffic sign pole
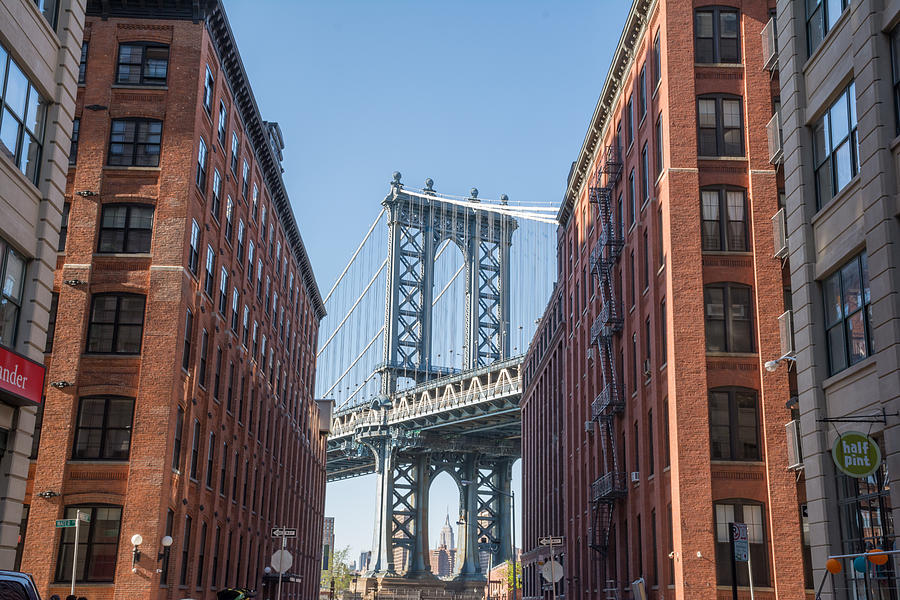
<point x="75" y="550"/>
<point x="552" y="565"/>
<point x="281" y="571"/>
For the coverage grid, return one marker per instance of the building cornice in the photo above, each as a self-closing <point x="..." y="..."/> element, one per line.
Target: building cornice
<point x="631" y="34"/>
<point x="213" y="13"/>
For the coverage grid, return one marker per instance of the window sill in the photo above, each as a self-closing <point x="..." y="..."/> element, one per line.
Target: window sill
<point x="835" y="200"/>
<point x="660" y="270"/>
<point x="122" y="255"/>
<point x="137" y="86"/>
<point x="111" y="355"/>
<point x="130" y="168"/>
<point x="850" y="371"/>
<point x="725" y="253"/>
<point x="731" y="354"/>
<point x="737" y="463"/>
<point x="97" y="461"/>
<point x="719" y="65"/>
<point x="724" y="158"/>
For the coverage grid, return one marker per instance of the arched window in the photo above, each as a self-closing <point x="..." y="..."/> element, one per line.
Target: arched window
<point x="729" y="326"/>
<point x="734" y="424"/>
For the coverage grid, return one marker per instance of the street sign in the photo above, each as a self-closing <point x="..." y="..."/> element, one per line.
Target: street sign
<point x="282" y="561"/>
<point x="551" y="541"/>
<point x="284" y="532"/>
<point x="856" y="454"/>
<point x="741" y="542"/>
<point x="552" y="571"/>
<point x="84" y="517"/>
<point x="65" y="523"/>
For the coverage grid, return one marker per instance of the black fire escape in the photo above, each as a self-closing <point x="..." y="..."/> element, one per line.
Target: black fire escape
<point x="611" y="485"/>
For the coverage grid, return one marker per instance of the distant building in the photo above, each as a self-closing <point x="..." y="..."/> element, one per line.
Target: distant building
<point x="327" y="543"/>
<point x="364" y="559"/>
<point x="447" y="540"/>
<point x="443" y="558"/>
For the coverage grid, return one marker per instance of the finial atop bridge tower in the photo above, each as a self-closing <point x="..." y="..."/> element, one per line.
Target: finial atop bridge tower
<point x="429" y="185"/>
<point x="474" y="195"/>
<point x="504" y="199"/>
<point x="396" y="182"/>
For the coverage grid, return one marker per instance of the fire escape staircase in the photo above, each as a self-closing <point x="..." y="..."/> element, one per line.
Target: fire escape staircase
<point x="610" y="487"/>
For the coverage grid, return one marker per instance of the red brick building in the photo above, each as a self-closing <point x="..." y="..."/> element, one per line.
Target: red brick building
<point x="179" y="399"/>
<point x="671" y="296"/>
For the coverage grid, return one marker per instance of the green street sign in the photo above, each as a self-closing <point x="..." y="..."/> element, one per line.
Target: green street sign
<point x="65" y="523"/>
<point x="856" y="454"/>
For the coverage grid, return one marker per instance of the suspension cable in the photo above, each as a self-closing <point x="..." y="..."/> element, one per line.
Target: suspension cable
<point x="352" y="258"/>
<point x="352" y="308"/>
<point x="449" y="283"/>
<point x="356" y="360"/>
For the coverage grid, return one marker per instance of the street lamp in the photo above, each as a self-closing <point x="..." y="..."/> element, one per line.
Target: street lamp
<point x="512" y="496"/>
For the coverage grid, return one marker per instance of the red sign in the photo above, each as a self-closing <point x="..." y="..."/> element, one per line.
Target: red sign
<point x="21" y="379"/>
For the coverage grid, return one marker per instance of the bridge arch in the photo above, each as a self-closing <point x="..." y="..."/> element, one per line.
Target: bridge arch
<point x="443" y="511"/>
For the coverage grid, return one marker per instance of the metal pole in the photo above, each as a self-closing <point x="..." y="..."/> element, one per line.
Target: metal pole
<point x="552" y="570"/>
<point x="515" y="554"/>
<point x="490" y="566"/>
<point x="750" y="574"/>
<point x="75" y="551"/>
<point x="734" y="593"/>
<point x="281" y="563"/>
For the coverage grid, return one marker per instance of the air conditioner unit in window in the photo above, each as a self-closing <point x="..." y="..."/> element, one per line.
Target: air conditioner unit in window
<point x="770" y="45"/>
<point x="786" y="332"/>
<point x="635" y="477"/>
<point x="773" y="134"/>
<point x="779" y="230"/>
<point x="794" y="450"/>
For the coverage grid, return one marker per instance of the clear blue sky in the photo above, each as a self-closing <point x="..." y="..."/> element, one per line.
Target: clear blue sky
<point x="493" y="94"/>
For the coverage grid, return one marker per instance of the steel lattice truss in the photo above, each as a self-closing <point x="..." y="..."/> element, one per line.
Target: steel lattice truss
<point x="410" y="283"/>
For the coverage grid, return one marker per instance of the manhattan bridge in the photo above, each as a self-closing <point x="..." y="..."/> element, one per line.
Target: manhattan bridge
<point x="422" y="352"/>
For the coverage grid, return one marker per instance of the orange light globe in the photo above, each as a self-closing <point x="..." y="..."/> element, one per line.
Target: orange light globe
<point x="833" y="566"/>
<point x="877" y="557"/>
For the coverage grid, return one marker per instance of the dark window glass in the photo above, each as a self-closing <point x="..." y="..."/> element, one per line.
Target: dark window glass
<point x="210" y="455"/>
<point x="82" y="64"/>
<point x="103" y="429"/>
<point x="629" y="120"/>
<point x="223" y="290"/>
<point x="658" y="166"/>
<point x="209" y="281"/>
<point x="188" y="335"/>
<point x="733" y="424"/>
<point x="185" y="551"/>
<point x="895" y="72"/>
<point x="848" y="314"/>
<point x="73" y="145"/>
<point x="201" y="556"/>
<point x="201" y="166"/>
<point x="234" y="153"/>
<point x="217" y="377"/>
<point x="195" y="449"/>
<point x="753" y="515"/>
<point x="142" y="64"/>
<point x="645" y="175"/>
<point x="229" y="219"/>
<point x="164" y="574"/>
<point x="208" y="85"/>
<point x="724" y="219"/>
<point x="20" y="547"/>
<point x="216" y="205"/>
<point x="657" y="59"/>
<point x="821" y="15"/>
<point x="51" y="322"/>
<point x="632" y="200"/>
<point x="36" y="436"/>
<point x="116" y="324"/>
<point x="98" y="545"/>
<point x="179" y="436"/>
<point x="651" y="459"/>
<point x="204" y="349"/>
<point x="835" y="147"/>
<point x="134" y="142"/>
<point x="728" y="318"/>
<point x="664" y="342"/>
<point x="64" y="228"/>
<point x="223" y="474"/>
<point x="223" y="123"/>
<point x="194" y="257"/>
<point x="716" y="35"/>
<point x="125" y="228"/>
<point x="719" y="126"/>
<point x="642" y="97"/>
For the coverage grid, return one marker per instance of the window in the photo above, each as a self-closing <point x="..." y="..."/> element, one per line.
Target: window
<point x="895" y="70"/>
<point x="209" y="282"/>
<point x="134" y="142"/>
<point x="848" y="314"/>
<point x="235" y="302"/>
<point x="821" y="15"/>
<point x="645" y="175"/>
<point x="201" y="166"/>
<point x="642" y="92"/>
<point x="142" y="64"/>
<point x="659" y="148"/>
<point x="116" y="324"/>
<point x="245" y="175"/>
<point x="650" y="458"/>
<point x="223" y="123"/>
<point x="201" y="555"/>
<point x="229" y="219"/>
<point x="204" y="350"/>
<point x="208" y="85"/>
<point x="185" y="550"/>
<point x="657" y="60"/>
<point x="741" y="511"/>
<point x="179" y="433"/>
<point x="51" y="322"/>
<point x="210" y="455"/>
<point x="835" y="147"/>
<point x="728" y="324"/>
<point x="217" y="375"/>
<point x="632" y="199"/>
<point x="720" y="126"/>
<point x="664" y="342"/>
<point x="629" y="121"/>
<point x="223" y="468"/>
<point x="634" y="375"/>
<point x="22" y="119"/>
<point x="64" y="228"/>
<point x="716" y="35"/>
<point x="97" y="547"/>
<point x="188" y="334"/>
<point x="82" y="63"/>
<point x="12" y="274"/>
<point x="724" y="215"/>
<point x="216" y="204"/>
<point x="223" y="290"/>
<point x="240" y="242"/>
<point x="661" y="253"/>
<point x="255" y="201"/>
<point x="195" y="449"/>
<point x="733" y="424"/>
<point x="246" y="326"/>
<point x="194" y="258"/>
<point x="164" y="571"/>
<point x="234" y="153"/>
<point x="234" y="479"/>
<point x="125" y="228"/>
<point x="230" y="394"/>
<point x="250" y="251"/>
<point x="646" y="260"/>
<point x="103" y="429"/>
<point x="73" y="145"/>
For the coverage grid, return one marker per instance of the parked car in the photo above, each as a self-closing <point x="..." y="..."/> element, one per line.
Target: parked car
<point x="17" y="586"/>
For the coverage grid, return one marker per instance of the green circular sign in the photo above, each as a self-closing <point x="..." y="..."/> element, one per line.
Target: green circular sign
<point x="856" y="454"/>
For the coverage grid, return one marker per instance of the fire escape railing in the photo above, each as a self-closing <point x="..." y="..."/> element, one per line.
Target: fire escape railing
<point x="611" y="485"/>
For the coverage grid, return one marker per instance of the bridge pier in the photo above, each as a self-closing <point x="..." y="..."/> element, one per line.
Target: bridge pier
<point x="382" y="562"/>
